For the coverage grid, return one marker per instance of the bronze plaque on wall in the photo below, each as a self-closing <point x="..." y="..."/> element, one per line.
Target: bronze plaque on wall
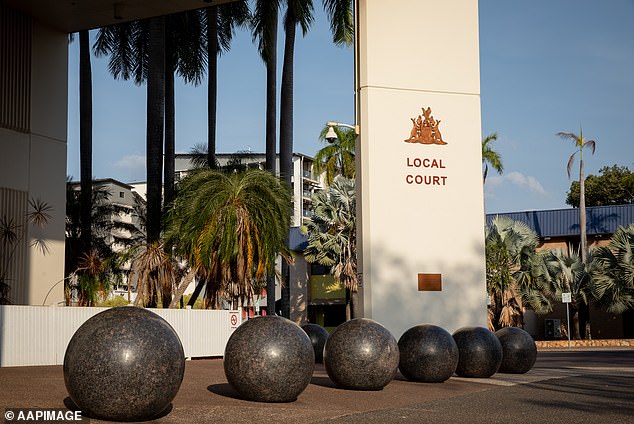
<point x="429" y="282"/>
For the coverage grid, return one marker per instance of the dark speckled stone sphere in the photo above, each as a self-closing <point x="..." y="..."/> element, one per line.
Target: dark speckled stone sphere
<point x="480" y="352"/>
<point x="428" y="354"/>
<point x="361" y="354"/>
<point x="124" y="364"/>
<point x="318" y="336"/>
<point x="519" y="351"/>
<point x="269" y="359"/>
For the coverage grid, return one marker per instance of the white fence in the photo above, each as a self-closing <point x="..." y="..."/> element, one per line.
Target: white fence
<point x="39" y="335"/>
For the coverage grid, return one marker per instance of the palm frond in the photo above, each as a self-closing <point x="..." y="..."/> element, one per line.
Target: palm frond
<point x="264" y="25"/>
<point x="341" y="20"/>
<point x="231" y="227"/>
<point x="571" y="161"/>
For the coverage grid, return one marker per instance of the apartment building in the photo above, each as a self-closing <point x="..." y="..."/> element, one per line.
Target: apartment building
<point x="123" y="197"/>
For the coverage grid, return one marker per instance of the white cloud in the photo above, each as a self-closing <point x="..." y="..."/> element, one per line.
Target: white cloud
<point x="518" y="179"/>
<point x="131" y="162"/>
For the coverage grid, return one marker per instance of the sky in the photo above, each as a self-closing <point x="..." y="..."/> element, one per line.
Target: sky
<point x="545" y="66"/>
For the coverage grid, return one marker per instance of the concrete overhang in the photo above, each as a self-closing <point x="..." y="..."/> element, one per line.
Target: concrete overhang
<point x="75" y="15"/>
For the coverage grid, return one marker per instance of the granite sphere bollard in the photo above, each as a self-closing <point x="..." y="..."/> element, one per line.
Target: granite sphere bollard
<point x="519" y="351"/>
<point x="428" y="354"/>
<point x="124" y="364"/>
<point x="269" y="359"/>
<point x="361" y="354"/>
<point x="318" y="336"/>
<point x="480" y="352"/>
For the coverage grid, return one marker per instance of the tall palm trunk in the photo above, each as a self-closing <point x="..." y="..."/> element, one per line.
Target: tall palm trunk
<point x="155" y="121"/>
<point x="212" y="83"/>
<point x="271" y="134"/>
<point x="271" y="98"/>
<point x="286" y="98"/>
<point x="584" y="310"/>
<point x="85" y="139"/>
<point x="170" y="134"/>
<point x="286" y="131"/>
<point x="582" y="210"/>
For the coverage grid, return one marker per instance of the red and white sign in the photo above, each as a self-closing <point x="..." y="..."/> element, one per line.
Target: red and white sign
<point x="233" y="319"/>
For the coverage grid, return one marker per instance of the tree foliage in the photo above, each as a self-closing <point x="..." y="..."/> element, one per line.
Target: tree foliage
<point x="341" y="21"/>
<point x="490" y="156"/>
<point x="230" y="229"/>
<point x="154" y="50"/>
<point x="518" y="277"/>
<point x="567" y="273"/>
<point x="614" y="281"/>
<point x="512" y="272"/>
<point x="336" y="158"/>
<point x="154" y="272"/>
<point x="614" y="186"/>
<point x="332" y="232"/>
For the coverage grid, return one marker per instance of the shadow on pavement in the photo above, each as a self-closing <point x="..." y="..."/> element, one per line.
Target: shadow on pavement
<point x="225" y="389"/>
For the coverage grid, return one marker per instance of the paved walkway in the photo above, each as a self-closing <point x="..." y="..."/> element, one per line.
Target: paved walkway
<point x="589" y="386"/>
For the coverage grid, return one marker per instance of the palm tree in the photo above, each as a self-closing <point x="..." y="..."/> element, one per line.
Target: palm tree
<point x="185" y="54"/>
<point x="298" y="12"/>
<point x="155" y="125"/>
<point x="230" y="228"/>
<point x="94" y="276"/>
<point x="332" y="237"/>
<point x="337" y="158"/>
<point x="183" y="51"/>
<point x="614" y="281"/>
<point x="490" y="156"/>
<point x="154" y="272"/>
<point x="85" y="137"/>
<point x="580" y="142"/>
<point x="221" y="23"/>
<point x="138" y="49"/>
<point x="567" y="273"/>
<point x="264" y="31"/>
<point x="511" y="271"/>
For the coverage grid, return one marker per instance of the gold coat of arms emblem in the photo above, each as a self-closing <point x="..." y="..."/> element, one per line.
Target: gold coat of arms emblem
<point x="425" y="129"/>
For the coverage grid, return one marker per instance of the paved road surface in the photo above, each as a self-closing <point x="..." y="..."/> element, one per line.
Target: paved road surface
<point x="589" y="386"/>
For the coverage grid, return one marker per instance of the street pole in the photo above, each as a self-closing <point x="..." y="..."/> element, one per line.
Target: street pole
<point x="568" y="324"/>
<point x="567" y="298"/>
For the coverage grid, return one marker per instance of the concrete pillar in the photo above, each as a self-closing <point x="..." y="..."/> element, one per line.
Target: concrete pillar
<point x="419" y="174"/>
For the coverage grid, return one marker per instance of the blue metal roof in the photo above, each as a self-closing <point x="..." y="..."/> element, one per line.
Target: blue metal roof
<point x="565" y="222"/>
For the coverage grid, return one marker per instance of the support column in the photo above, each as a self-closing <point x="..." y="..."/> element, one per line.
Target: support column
<point x="419" y="166"/>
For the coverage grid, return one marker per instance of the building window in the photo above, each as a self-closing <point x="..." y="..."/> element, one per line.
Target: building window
<point x="15" y="70"/>
<point x="121" y="194"/>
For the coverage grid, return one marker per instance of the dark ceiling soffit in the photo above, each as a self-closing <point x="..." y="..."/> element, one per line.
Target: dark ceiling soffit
<point x="75" y="15"/>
